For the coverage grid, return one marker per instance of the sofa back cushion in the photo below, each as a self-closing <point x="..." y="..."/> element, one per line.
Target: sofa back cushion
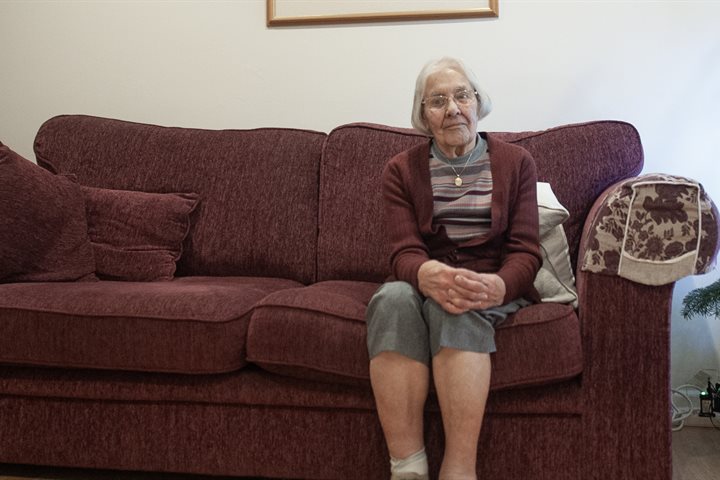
<point x="257" y="212"/>
<point x="351" y="242"/>
<point x="579" y="161"/>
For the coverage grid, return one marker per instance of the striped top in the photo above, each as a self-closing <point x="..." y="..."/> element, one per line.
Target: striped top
<point x="463" y="210"/>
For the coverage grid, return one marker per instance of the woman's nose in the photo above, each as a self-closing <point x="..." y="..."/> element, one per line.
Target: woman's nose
<point x="452" y="107"/>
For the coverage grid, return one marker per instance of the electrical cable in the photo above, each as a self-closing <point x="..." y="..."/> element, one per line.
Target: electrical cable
<point x="679" y="417"/>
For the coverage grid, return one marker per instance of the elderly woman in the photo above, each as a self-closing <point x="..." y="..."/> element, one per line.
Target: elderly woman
<point x="461" y="215"/>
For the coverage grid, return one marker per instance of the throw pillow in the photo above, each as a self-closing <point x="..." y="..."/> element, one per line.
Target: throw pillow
<point x="555" y="282"/>
<point x="43" y="230"/>
<point x="137" y="236"/>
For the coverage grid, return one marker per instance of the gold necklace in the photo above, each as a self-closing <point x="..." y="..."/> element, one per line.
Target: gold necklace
<point x="458" y="179"/>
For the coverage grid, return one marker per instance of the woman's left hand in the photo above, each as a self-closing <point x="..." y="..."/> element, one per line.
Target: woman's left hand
<point x="477" y="291"/>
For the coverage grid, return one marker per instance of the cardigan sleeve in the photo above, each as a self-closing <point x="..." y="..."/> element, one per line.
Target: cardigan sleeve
<point x="408" y="251"/>
<point x="521" y="257"/>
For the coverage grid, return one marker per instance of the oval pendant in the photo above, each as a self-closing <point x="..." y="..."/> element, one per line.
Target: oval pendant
<point x="458" y="182"/>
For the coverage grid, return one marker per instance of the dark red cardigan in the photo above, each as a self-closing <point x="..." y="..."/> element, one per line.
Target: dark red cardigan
<point x="511" y="248"/>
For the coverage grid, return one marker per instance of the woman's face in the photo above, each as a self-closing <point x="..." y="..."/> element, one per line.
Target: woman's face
<point x="454" y="127"/>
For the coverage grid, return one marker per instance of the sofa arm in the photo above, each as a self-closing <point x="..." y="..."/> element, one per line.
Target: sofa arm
<point x="653" y="229"/>
<point x="639" y="237"/>
<point x="625" y="329"/>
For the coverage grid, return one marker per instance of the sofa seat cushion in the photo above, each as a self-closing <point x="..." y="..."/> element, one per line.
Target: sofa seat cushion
<point x="315" y="332"/>
<point x="188" y="325"/>
<point x="318" y="333"/>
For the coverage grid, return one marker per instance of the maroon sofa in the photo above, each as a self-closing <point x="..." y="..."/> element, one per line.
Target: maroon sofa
<point x="250" y="358"/>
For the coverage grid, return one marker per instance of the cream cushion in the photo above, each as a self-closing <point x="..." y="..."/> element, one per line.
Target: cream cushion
<point x="555" y="282"/>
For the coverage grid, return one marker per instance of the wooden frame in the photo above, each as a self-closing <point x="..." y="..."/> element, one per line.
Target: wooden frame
<point x="319" y="12"/>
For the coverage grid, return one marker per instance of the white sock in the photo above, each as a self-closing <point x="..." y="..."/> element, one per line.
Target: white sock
<point x="415" y="463"/>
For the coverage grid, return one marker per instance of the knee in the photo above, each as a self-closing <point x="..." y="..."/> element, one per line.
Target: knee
<point x="395" y="323"/>
<point x="394" y="295"/>
<point x="401" y="364"/>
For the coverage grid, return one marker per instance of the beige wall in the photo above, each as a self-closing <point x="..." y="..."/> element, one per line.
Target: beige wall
<point x="214" y="64"/>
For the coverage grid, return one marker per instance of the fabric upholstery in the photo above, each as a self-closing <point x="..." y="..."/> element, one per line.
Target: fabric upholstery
<point x="43" y="229"/>
<point x="626" y="337"/>
<point x="197" y="438"/>
<point x="189" y="325"/>
<point x="318" y="333"/>
<point x="137" y="236"/>
<point x="258" y="214"/>
<point x="92" y="427"/>
<point x="251" y="386"/>
<point x="352" y="244"/>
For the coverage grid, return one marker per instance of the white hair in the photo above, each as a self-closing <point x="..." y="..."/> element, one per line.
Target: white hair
<point x="484" y="105"/>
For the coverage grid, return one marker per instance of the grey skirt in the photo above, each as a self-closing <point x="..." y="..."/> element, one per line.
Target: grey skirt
<point x="400" y="319"/>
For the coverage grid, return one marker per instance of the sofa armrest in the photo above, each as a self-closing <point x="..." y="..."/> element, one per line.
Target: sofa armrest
<point x="652" y="229"/>
<point x="625" y="298"/>
<point x="625" y="329"/>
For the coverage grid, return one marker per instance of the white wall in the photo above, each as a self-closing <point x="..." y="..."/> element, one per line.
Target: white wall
<point x="214" y="64"/>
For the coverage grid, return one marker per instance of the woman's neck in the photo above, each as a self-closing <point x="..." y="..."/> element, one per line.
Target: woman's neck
<point x="452" y="152"/>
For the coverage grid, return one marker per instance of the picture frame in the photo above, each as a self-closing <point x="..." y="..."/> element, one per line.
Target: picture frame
<point x="324" y="12"/>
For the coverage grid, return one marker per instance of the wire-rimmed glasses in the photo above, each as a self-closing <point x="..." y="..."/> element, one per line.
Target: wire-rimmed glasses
<point x="440" y="101"/>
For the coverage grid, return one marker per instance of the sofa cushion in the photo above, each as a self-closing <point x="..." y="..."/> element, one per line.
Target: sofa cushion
<point x="352" y="243"/>
<point x="319" y="333"/>
<point x="43" y="230"/>
<point x="316" y="332"/>
<point x="187" y="325"/>
<point x="555" y="281"/>
<point x="137" y="236"/>
<point x="258" y="214"/>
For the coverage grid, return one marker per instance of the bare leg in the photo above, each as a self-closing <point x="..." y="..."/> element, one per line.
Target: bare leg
<point x="400" y="386"/>
<point x="462" y="380"/>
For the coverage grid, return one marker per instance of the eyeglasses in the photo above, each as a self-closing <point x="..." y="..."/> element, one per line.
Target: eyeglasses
<point x="440" y="102"/>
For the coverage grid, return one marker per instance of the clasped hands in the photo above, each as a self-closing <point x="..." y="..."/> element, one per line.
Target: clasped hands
<point x="458" y="290"/>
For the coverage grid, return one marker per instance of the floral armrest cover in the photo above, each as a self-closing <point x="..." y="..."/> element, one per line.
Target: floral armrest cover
<point x="653" y="229"/>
